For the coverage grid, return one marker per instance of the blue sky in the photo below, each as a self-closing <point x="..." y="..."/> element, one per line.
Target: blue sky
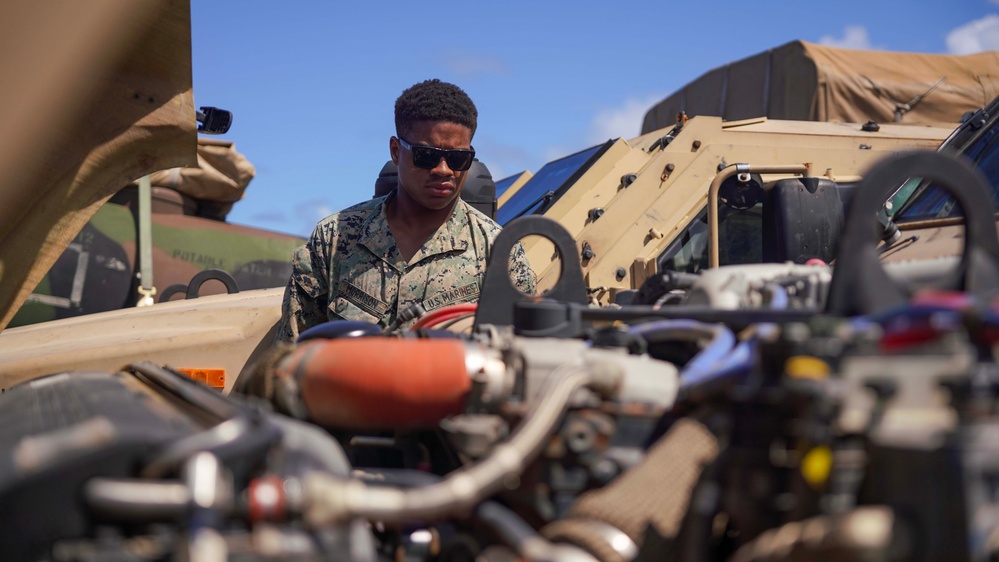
<point x="312" y="85"/>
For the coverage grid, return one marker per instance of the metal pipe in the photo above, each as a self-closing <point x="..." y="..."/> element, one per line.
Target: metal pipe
<point x="237" y="432"/>
<point x="133" y="499"/>
<point x="224" y="434"/>
<point x="799" y="169"/>
<point x="520" y="536"/>
<point x="329" y="499"/>
<point x="872" y="532"/>
<point x="932" y="223"/>
<point x="313" y="443"/>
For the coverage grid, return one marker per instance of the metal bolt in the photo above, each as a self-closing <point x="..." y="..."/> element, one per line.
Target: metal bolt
<point x="587" y="252"/>
<point x="667" y="171"/>
<point x="870" y="127"/>
<point x="696" y="145"/>
<point x="620" y="273"/>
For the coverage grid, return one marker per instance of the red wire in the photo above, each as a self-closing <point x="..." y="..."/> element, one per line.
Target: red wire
<point x="443" y="314"/>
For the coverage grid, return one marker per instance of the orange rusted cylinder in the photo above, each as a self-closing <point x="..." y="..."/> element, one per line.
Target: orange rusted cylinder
<point x="380" y="383"/>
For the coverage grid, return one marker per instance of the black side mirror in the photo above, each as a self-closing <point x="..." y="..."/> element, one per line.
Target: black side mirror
<point x="213" y="121"/>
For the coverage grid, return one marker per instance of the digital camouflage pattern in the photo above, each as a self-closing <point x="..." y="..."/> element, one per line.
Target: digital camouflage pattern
<point x="351" y="269"/>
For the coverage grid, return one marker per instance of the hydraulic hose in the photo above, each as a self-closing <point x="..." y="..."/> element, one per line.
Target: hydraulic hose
<point x="240" y="434"/>
<point x="698" y="383"/>
<point x="779" y="299"/>
<point x="330" y="499"/>
<point x="721" y="343"/>
<point x="379" y="383"/>
<point x="435" y="317"/>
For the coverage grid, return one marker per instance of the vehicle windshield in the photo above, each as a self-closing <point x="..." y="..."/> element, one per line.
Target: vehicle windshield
<point x="933" y="202"/>
<point x="505" y="183"/>
<point x="551" y="181"/>
<point x="741" y="229"/>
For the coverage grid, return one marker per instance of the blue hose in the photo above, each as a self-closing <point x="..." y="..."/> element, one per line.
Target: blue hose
<point x="716" y="353"/>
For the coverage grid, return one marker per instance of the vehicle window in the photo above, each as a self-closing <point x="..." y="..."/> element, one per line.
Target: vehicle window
<point x="505" y="183"/>
<point x="555" y="178"/>
<point x="932" y="202"/>
<point x="689" y="252"/>
<point x="741" y="241"/>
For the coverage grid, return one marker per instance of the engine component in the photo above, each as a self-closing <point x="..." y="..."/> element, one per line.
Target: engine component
<point x="611" y="522"/>
<point x="764" y="285"/>
<point x="356" y="383"/>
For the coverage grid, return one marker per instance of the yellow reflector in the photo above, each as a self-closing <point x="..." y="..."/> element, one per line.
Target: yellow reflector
<point x="214" y="378"/>
<point x="816" y="465"/>
<point x="806" y="367"/>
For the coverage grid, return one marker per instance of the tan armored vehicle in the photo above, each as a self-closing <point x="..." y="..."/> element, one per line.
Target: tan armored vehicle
<point x="640" y="206"/>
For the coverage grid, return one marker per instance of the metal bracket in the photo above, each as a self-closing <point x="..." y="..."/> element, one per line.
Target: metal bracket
<point x="496" y="302"/>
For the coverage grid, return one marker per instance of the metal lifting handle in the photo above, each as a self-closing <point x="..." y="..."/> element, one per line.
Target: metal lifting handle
<point x="799" y="169"/>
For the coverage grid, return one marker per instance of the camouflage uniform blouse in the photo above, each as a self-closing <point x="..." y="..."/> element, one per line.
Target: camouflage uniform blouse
<point x="351" y="269"/>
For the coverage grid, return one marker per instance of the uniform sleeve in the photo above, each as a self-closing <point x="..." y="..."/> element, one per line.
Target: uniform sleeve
<point x="306" y="298"/>
<point x="523" y="276"/>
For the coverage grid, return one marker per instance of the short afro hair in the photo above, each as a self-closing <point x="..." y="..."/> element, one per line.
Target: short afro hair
<point x="433" y="100"/>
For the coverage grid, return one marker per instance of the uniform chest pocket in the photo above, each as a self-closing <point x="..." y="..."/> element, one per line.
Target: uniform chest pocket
<point x="343" y="309"/>
<point x="352" y="303"/>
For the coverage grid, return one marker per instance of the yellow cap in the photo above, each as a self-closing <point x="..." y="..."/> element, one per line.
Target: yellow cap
<point x="807" y="367"/>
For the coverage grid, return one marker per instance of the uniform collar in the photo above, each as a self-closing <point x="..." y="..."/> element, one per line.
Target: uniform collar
<point x="449" y="237"/>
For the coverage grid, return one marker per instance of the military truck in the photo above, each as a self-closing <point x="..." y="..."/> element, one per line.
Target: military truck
<point x="191" y="249"/>
<point x="641" y="206"/>
<point x="929" y="220"/>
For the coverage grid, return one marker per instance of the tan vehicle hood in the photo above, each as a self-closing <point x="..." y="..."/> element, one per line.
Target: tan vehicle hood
<point x="97" y="94"/>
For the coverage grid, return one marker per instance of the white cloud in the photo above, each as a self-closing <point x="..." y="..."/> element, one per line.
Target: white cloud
<point x="311" y="211"/>
<point x="269" y="218"/>
<point x="975" y="36"/>
<point x="502" y="159"/>
<point x="323" y="212"/>
<point x="624" y="121"/>
<point x="854" y="37"/>
<point x="470" y="65"/>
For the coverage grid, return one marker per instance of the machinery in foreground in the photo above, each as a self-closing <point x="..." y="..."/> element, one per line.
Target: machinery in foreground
<point x="834" y="414"/>
<point x="744" y="412"/>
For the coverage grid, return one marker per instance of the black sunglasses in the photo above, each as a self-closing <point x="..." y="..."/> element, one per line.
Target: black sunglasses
<point x="428" y="157"/>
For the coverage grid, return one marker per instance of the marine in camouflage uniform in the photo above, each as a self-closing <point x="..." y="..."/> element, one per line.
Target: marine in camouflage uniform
<point x="351" y="269"/>
<point x="420" y="245"/>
